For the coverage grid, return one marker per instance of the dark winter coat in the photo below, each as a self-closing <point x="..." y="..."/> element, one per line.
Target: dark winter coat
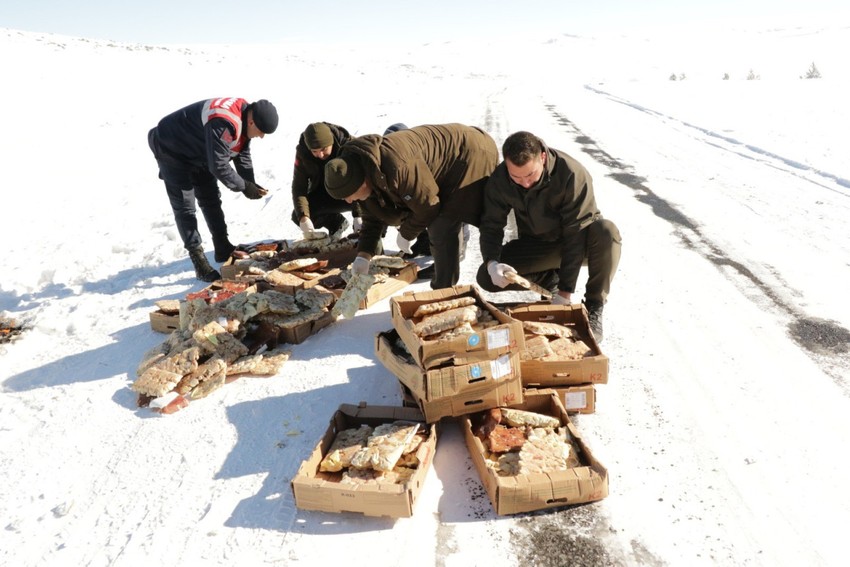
<point x="309" y="171"/>
<point x="186" y="138"/>
<point x="557" y="208"/>
<point x="420" y="173"/>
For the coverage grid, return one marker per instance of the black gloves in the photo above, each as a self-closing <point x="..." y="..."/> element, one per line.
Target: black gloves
<point x="253" y="191"/>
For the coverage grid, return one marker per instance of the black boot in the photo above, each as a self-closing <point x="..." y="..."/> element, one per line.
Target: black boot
<point x="594" y="316"/>
<point x="203" y="270"/>
<point x="223" y="249"/>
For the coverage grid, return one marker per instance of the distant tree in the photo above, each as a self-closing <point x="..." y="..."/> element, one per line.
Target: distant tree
<point x="812" y="73"/>
<point x="752" y="76"/>
<point x="672" y="76"/>
<point x="682" y="77"/>
<point x="725" y="76"/>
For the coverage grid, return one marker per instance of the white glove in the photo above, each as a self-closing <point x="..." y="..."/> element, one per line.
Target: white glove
<point x="497" y="273"/>
<point x="360" y="266"/>
<point x="356" y="224"/>
<point x="559" y="299"/>
<point x="404" y="244"/>
<point x="307" y="227"/>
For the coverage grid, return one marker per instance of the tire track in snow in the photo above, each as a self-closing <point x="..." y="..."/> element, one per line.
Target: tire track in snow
<point x="744" y="150"/>
<point x="826" y="342"/>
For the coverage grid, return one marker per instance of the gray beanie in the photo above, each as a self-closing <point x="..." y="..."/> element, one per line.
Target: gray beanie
<point x="343" y="176"/>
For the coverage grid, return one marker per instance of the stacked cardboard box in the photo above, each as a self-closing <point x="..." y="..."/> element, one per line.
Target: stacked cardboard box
<point x="457" y="376"/>
<point x="573" y="380"/>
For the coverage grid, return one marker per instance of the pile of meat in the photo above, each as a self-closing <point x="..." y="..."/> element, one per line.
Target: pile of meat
<point x="519" y="442"/>
<point x="220" y="338"/>
<point x="553" y="341"/>
<point x="386" y="454"/>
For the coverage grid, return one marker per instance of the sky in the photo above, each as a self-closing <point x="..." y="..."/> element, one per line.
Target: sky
<point x="332" y="21"/>
<point x="722" y="425"/>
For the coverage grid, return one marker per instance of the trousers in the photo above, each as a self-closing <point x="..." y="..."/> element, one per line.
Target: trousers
<point x="538" y="260"/>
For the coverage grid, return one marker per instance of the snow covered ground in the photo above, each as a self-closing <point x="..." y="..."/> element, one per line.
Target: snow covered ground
<point x="724" y="421"/>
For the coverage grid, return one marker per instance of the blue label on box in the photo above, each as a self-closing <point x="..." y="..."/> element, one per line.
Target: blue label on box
<point x="474" y="340"/>
<point x="475" y="371"/>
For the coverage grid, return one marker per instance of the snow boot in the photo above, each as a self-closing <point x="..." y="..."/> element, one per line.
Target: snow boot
<point x="594" y="317"/>
<point x="223" y="249"/>
<point x="203" y="270"/>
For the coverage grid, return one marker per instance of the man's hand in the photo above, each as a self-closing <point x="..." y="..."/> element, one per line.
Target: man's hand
<point x="307" y="227"/>
<point x="360" y="265"/>
<point x="562" y="298"/>
<point x="404" y="244"/>
<point x="498" y="273"/>
<point x="253" y="191"/>
<point x="356" y="224"/>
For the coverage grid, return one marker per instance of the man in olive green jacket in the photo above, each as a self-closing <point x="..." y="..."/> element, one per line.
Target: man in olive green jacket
<point x="426" y="177"/>
<point x="558" y="223"/>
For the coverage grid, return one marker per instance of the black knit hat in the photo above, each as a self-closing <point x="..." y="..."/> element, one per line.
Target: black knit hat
<point x="265" y="116"/>
<point x="343" y="176"/>
<point x="318" y="135"/>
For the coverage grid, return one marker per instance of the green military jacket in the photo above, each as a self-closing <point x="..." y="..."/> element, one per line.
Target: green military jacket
<point x="420" y="173"/>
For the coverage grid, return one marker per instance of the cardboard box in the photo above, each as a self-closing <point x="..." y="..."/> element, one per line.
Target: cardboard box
<point x="577" y="399"/>
<point x="316" y="490"/>
<point x="298" y="334"/>
<point x="162" y="322"/>
<point x="526" y="493"/>
<point x="397" y="280"/>
<point x="453" y="390"/>
<point x="484" y="345"/>
<point x="543" y="374"/>
<point x="337" y="260"/>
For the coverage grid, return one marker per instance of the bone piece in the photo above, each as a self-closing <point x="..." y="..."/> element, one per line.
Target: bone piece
<point x="518" y="418"/>
<point x="156" y="382"/>
<point x="355" y="292"/>
<point x="394" y="262"/>
<point x="168" y="305"/>
<point x="385" y="446"/>
<point x="445" y="320"/>
<point x="345" y="445"/>
<point x="296" y="264"/>
<point x="537" y="347"/>
<point x="282" y="278"/>
<point x="444" y="305"/>
<point x="548" y="329"/>
<point x="314" y="298"/>
<point x="567" y="349"/>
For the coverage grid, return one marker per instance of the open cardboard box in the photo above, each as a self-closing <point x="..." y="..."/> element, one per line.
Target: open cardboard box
<point x="453" y="390"/>
<point x="337" y="260"/>
<point x="488" y="344"/>
<point x="525" y="493"/>
<point x="316" y="490"/>
<point x="542" y="374"/>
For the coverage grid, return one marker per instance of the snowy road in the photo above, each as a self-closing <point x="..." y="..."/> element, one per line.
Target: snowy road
<point x="723" y="421"/>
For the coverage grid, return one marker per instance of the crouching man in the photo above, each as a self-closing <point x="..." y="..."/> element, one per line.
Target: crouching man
<point x="559" y="227"/>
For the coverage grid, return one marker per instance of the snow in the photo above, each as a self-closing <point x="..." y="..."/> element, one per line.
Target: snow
<point x="723" y="424"/>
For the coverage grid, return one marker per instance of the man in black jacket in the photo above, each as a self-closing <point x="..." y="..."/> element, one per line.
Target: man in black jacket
<point x="559" y="226"/>
<point x="313" y="208"/>
<point x="193" y="148"/>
